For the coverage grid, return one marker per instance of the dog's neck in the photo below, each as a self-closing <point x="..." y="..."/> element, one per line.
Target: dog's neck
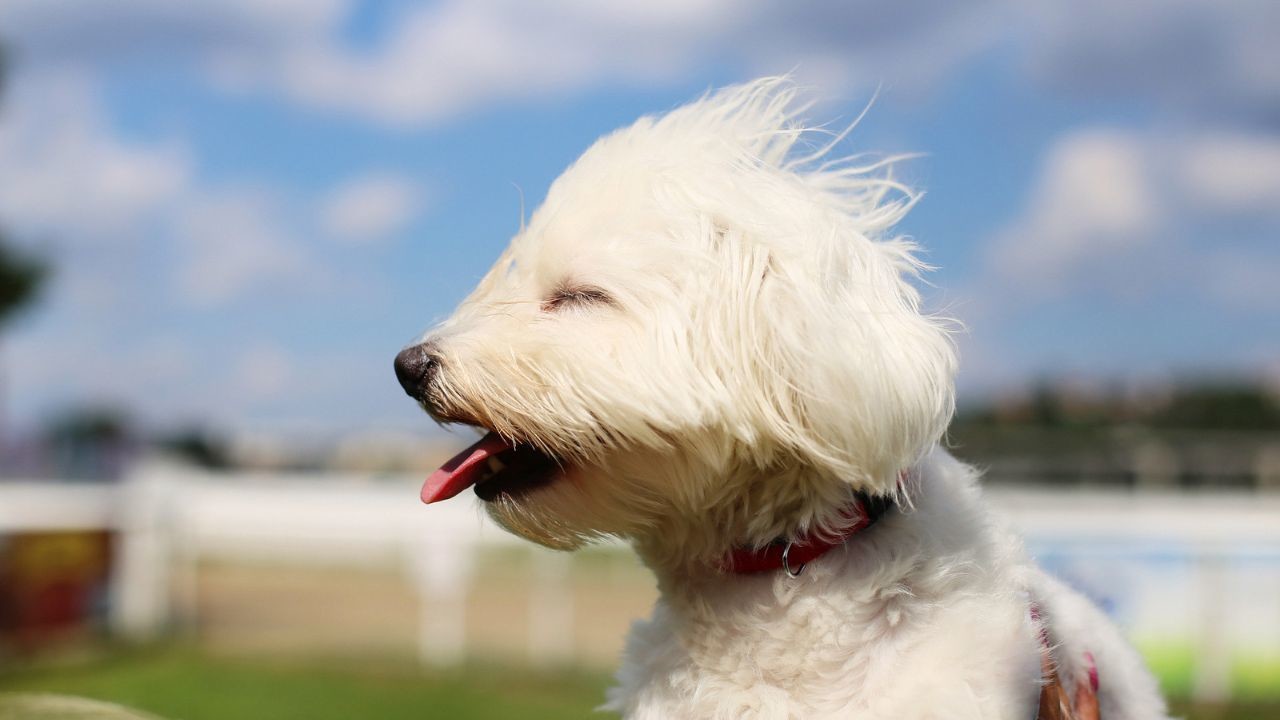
<point x="737" y="504"/>
<point x="943" y="498"/>
<point x="870" y="577"/>
<point x="791" y="554"/>
<point x="764" y="532"/>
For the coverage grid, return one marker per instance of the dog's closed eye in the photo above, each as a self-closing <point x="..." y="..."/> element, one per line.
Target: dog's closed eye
<point x="574" y="296"/>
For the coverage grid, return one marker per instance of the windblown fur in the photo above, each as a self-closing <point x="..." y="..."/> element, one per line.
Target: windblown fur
<point x="711" y="323"/>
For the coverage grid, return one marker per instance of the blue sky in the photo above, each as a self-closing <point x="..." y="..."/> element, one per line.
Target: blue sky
<point x="251" y="205"/>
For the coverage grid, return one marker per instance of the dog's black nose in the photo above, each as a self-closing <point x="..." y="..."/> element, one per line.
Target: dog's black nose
<point x="416" y="368"/>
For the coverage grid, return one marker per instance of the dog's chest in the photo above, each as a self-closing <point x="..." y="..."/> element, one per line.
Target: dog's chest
<point x="886" y="650"/>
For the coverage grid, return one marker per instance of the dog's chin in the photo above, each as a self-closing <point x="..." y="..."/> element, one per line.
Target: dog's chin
<point x="580" y="505"/>
<point x="539" y="514"/>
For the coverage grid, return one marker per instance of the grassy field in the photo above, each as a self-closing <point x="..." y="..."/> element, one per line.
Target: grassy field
<point x="186" y="685"/>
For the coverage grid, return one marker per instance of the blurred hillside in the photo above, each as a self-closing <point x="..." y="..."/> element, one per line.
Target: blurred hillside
<point x="1222" y="434"/>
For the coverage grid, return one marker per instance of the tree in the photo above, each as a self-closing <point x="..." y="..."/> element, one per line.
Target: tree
<point x="20" y="280"/>
<point x="21" y="276"/>
<point x="89" y="443"/>
<point x="198" y="446"/>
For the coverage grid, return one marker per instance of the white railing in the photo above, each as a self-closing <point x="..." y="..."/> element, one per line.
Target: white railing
<point x="1203" y="568"/>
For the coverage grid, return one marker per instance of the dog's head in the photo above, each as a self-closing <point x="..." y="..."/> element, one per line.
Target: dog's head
<point x="699" y="339"/>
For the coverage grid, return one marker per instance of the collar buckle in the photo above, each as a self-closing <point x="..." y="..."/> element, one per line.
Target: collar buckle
<point x="786" y="563"/>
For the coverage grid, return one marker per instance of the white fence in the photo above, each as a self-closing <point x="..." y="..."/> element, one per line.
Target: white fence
<point x="1203" y="569"/>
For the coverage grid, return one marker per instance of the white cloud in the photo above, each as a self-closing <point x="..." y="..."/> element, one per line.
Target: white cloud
<point x="434" y="62"/>
<point x="84" y="200"/>
<point x="370" y="208"/>
<point x="68" y="177"/>
<point x="132" y="236"/>
<point x="87" y="34"/>
<point x="437" y="61"/>
<point x="1232" y="173"/>
<point x="1092" y="204"/>
<point x="112" y="214"/>
<point x="1126" y="213"/>
<point x="1134" y="228"/>
<point x="1213" y="58"/>
<point x="234" y="242"/>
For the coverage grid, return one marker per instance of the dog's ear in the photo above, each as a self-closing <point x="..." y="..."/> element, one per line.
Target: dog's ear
<point x="852" y="377"/>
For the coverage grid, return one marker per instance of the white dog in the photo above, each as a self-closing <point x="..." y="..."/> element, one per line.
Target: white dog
<point x="706" y="342"/>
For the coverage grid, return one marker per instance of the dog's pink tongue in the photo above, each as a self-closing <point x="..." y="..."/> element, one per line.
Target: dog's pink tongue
<point x="463" y="470"/>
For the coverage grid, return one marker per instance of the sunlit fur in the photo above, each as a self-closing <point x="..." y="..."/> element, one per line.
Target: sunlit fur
<point x="763" y="352"/>
<point x="711" y="323"/>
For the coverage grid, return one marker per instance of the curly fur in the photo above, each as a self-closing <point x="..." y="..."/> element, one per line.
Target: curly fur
<point x="710" y="322"/>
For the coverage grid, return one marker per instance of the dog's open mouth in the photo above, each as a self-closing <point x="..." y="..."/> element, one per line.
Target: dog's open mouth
<point x="493" y="466"/>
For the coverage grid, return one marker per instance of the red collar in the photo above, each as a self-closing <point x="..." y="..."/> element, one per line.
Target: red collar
<point x="794" y="555"/>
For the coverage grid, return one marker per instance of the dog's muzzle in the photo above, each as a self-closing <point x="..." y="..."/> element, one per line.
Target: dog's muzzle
<point x="416" y="368"/>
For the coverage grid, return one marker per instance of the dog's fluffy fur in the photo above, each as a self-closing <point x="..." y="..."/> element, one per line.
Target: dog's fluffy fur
<point x="710" y="324"/>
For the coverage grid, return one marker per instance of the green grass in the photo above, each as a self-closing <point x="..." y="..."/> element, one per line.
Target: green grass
<point x="1241" y="711"/>
<point x="1252" y="677"/>
<point x="184" y="685"/>
<point x="180" y="684"/>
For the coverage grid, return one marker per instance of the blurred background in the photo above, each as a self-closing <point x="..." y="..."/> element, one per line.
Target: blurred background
<point x="219" y="221"/>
